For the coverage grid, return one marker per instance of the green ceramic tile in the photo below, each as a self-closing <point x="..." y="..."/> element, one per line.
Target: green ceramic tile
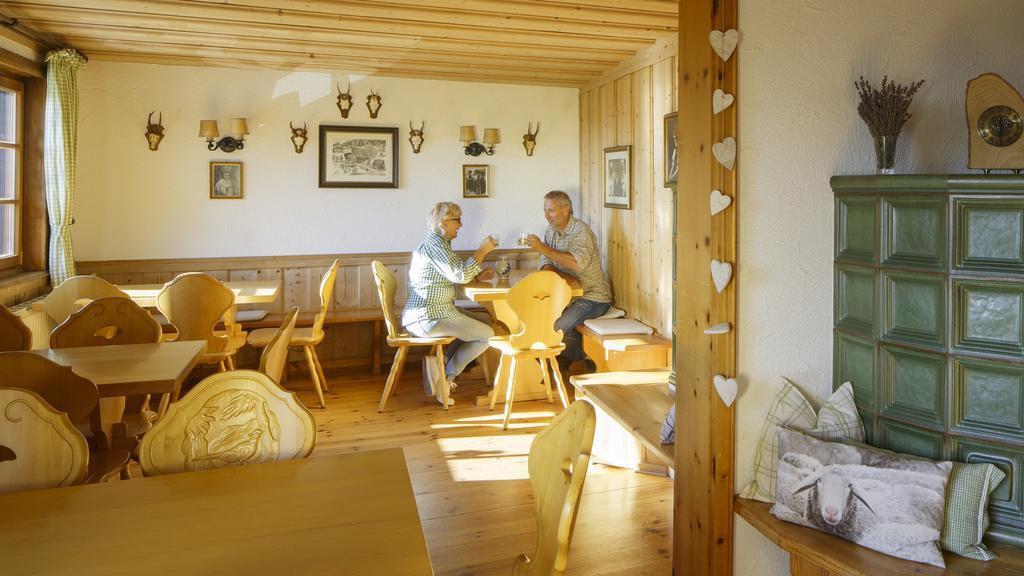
<point x="855" y="299"/>
<point x="988" y="316"/>
<point x="914" y="232"/>
<point x="989" y="235"/>
<point x="1007" y="501"/>
<point x="855" y="363"/>
<point x="910" y="440"/>
<point x="856" y="235"/>
<point x="914" y="308"/>
<point x="988" y="398"/>
<point x="913" y="386"/>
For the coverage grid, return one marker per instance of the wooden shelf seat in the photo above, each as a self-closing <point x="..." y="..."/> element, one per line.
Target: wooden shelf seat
<point x="614" y="352"/>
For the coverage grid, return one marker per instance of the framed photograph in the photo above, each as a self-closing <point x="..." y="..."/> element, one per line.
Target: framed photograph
<point x="671" y="153"/>
<point x="618" y="177"/>
<point x="476" y="181"/>
<point x="226" y="180"/>
<point x="358" y="157"/>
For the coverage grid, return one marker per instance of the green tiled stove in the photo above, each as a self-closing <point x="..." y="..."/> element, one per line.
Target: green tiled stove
<point x="929" y="320"/>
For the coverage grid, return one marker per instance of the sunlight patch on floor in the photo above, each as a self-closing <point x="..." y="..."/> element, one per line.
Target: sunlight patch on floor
<point x="487" y="458"/>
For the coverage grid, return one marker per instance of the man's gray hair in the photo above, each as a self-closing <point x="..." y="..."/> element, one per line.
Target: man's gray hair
<point x="560" y="198"/>
<point x="442" y="211"/>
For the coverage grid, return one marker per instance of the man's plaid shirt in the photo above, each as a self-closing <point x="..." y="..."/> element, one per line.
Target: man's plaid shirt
<point x="579" y="240"/>
<point x="433" y="273"/>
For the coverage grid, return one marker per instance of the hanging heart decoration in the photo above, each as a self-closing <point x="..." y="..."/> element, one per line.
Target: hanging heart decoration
<point x="726" y="388"/>
<point x="725" y="152"/>
<point x="719" y="201"/>
<point x="721" y="273"/>
<point x="721" y="100"/>
<point x="724" y="44"/>
<point x="722" y="328"/>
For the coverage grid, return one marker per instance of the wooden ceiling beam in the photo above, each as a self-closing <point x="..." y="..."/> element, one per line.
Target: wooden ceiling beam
<point x="632" y="13"/>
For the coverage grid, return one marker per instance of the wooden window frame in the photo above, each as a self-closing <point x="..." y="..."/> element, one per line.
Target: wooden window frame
<point x="13" y="262"/>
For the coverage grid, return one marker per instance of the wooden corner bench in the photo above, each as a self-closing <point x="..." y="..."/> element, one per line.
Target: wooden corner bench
<point x="615" y="352"/>
<point x="815" y="553"/>
<point x="631" y="407"/>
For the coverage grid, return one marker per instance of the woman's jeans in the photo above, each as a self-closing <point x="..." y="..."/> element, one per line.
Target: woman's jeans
<point x="472" y="329"/>
<point x="575" y="313"/>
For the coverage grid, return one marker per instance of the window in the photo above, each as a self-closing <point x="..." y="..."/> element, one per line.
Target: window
<point x="11" y="152"/>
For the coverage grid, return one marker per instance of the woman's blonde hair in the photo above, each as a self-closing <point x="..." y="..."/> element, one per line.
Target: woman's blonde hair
<point x="442" y="211"/>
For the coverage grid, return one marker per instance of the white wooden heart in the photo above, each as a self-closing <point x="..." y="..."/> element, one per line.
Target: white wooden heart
<point x="722" y="328"/>
<point x="719" y="201"/>
<point x="725" y="152"/>
<point x="721" y="273"/>
<point x="724" y="43"/>
<point x="726" y="388"/>
<point x="721" y="100"/>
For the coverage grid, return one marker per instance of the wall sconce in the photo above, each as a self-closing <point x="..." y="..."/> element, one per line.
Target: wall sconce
<point x="236" y="141"/>
<point x="492" y="137"/>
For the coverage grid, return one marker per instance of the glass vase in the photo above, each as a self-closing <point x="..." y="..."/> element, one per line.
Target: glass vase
<point x="885" y="154"/>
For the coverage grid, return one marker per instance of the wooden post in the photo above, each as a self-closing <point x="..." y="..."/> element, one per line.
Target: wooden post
<point x="705" y="427"/>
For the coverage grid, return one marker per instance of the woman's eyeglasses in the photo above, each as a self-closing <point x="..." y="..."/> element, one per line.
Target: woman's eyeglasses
<point x="459" y="220"/>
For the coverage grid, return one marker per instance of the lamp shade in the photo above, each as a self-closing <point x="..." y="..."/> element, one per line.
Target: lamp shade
<point x="492" y="136"/>
<point x="239" y="127"/>
<point x="208" y="129"/>
<point x="467" y="134"/>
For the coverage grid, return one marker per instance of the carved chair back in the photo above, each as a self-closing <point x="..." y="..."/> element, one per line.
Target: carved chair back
<point x="275" y="354"/>
<point x="105" y="321"/>
<point x="14" y="334"/>
<point x="326" y="295"/>
<point x="39" y="447"/>
<point x="385" y="282"/>
<point x="64" y="299"/>
<point x="538" y="300"/>
<point x="194" y="303"/>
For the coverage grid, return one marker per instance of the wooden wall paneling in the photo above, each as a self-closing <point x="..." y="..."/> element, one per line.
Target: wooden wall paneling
<point x="585" y="198"/>
<point x="663" y="102"/>
<point x="596" y="191"/>
<point x="347" y="293"/>
<point x="368" y="289"/>
<point x="34" y="219"/>
<point x="703" y="517"/>
<point x="643" y="228"/>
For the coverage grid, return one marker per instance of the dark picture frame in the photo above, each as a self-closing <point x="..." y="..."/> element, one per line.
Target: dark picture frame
<point x="671" y="148"/>
<point x="358" y="157"/>
<point x="226" y="180"/>
<point x="618" y="177"/>
<point x="476" y="181"/>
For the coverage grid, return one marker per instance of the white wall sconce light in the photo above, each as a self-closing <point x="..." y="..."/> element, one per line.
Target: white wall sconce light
<point x="236" y="141"/>
<point x="492" y="137"/>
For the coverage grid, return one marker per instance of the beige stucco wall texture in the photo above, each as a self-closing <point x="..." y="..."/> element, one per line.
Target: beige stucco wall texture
<point x="798" y="125"/>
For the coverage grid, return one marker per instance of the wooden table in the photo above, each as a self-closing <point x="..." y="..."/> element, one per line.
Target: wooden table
<point x="129" y="370"/>
<point x="246" y="292"/>
<point x="351" y="514"/>
<point x="492" y="295"/>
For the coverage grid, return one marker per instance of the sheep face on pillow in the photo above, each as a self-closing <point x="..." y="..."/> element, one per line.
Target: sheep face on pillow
<point x="879" y="500"/>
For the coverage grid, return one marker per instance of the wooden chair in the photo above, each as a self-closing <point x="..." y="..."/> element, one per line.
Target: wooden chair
<point x="538" y="300"/>
<point x="385" y="282"/>
<point x="65" y="299"/>
<point x="307" y="338"/>
<point x="275" y="354"/>
<point x="71" y="394"/>
<point x="194" y="303"/>
<point x="229" y="419"/>
<point x="39" y="448"/>
<point x="14" y="334"/>
<point x="559" y="459"/>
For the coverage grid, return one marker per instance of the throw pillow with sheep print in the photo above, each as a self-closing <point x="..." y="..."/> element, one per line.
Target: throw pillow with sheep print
<point x="838" y="419"/>
<point x="883" y="501"/>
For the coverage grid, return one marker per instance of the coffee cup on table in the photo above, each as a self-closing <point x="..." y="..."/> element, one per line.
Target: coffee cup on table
<point x="522" y="239"/>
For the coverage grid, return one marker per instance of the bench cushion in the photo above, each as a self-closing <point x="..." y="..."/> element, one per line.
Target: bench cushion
<point x="966" y="517"/>
<point x="613" y="326"/>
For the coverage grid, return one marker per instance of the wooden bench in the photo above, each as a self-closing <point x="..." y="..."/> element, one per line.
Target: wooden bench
<point x="625" y="351"/>
<point x="631" y="407"/>
<point x="816" y="553"/>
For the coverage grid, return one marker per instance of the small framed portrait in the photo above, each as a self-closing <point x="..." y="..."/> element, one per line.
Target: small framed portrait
<point x="358" y="157"/>
<point x="476" y="181"/>
<point x="671" y="149"/>
<point x="226" y="180"/>
<point x="618" y="177"/>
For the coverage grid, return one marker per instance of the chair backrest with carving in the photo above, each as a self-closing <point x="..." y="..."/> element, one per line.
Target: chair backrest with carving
<point x="39" y="447"/>
<point x="229" y="419"/>
<point x="559" y="458"/>
<point x="60" y="386"/>
<point x="275" y="354"/>
<point x="63" y="300"/>
<point x="105" y="321"/>
<point x="194" y="303"/>
<point x="538" y="300"/>
<point x="326" y="295"/>
<point x="385" y="282"/>
<point x="14" y="333"/>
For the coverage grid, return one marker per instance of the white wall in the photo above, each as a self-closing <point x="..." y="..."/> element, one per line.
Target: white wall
<point x="798" y="126"/>
<point x="133" y="203"/>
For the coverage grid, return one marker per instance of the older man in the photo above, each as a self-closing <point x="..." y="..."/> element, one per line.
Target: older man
<point x="570" y="249"/>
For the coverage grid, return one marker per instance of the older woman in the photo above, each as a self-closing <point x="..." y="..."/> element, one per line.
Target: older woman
<point x="430" y="304"/>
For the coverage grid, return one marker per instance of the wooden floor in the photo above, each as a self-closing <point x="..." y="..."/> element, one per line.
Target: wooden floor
<point x="471" y="480"/>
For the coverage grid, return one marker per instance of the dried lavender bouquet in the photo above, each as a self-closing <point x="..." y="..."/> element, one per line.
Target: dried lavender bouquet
<point x="884" y="110"/>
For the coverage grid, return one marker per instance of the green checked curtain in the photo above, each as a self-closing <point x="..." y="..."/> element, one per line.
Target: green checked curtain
<point x="60" y="156"/>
